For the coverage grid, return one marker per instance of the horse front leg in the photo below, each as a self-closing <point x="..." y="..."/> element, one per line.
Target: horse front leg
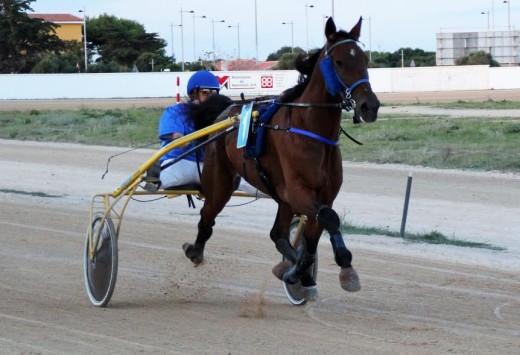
<point x="348" y="276"/>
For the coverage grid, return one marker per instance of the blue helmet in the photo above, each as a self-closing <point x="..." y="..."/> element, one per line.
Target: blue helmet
<point x="203" y="79"/>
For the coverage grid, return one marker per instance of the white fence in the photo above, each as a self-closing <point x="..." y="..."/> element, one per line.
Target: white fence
<point x="253" y="83"/>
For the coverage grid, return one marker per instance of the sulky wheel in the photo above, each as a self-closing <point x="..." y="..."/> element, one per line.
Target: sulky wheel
<point x="101" y="270"/>
<point x="296" y="293"/>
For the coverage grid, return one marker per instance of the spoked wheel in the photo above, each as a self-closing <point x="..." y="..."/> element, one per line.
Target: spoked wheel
<point x="296" y="293"/>
<point x="101" y="270"/>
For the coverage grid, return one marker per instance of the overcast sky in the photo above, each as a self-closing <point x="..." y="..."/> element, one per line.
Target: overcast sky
<point x="389" y="25"/>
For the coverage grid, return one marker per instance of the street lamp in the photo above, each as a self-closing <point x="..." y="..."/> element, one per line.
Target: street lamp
<point x="256" y="33"/>
<point x="182" y="38"/>
<point x="85" y="36"/>
<point x="194" y="47"/>
<point x="292" y="34"/>
<point x="508" y="14"/>
<point x="172" y="25"/>
<point x="369" y="36"/>
<point x="213" y="31"/>
<point x="238" y="34"/>
<point x="307" y="24"/>
<point x="486" y="13"/>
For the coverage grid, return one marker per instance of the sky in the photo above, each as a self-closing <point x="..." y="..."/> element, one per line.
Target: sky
<point x="387" y="25"/>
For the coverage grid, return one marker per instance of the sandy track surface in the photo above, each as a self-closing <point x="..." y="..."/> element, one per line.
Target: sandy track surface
<point x="415" y="298"/>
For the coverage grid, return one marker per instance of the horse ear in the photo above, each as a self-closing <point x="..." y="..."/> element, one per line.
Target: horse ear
<point x="355" y="32"/>
<point x="330" y="29"/>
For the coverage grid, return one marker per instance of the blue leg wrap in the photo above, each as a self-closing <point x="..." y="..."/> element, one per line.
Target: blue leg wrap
<point x="337" y="242"/>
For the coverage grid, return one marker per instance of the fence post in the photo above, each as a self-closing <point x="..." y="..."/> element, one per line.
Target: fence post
<point x="406" y="202"/>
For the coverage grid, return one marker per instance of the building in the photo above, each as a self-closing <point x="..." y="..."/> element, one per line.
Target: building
<point x="504" y="46"/>
<point x="69" y="26"/>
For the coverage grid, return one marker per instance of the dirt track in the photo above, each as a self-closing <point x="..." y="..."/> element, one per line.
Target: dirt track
<point x="415" y="298"/>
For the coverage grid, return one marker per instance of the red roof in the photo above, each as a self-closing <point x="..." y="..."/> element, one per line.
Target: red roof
<point x="57" y="17"/>
<point x="246" y="64"/>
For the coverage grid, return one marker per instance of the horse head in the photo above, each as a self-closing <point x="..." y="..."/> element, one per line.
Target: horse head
<point x="345" y="71"/>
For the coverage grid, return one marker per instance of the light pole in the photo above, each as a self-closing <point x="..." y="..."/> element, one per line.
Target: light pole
<point x="194" y="45"/>
<point x="213" y="31"/>
<point x="369" y="37"/>
<point x="332" y="8"/>
<point x="486" y="13"/>
<point x="307" y="24"/>
<point x="493" y="15"/>
<point x="292" y="34"/>
<point x="238" y="34"/>
<point x="173" y="54"/>
<point x="85" y="37"/>
<point x="508" y="2"/>
<point x="182" y="37"/>
<point x="256" y="33"/>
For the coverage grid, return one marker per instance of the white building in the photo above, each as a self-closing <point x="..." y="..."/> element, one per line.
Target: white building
<point x="504" y="46"/>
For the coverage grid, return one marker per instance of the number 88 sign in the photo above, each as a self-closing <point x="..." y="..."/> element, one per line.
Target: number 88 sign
<point x="266" y="81"/>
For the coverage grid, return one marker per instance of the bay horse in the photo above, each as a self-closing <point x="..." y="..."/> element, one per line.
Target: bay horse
<point x="301" y="164"/>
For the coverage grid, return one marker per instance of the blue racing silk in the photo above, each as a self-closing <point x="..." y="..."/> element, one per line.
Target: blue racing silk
<point x="175" y="120"/>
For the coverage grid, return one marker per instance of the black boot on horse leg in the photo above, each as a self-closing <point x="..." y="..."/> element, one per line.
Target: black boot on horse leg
<point x="348" y="277"/>
<point x="195" y="252"/>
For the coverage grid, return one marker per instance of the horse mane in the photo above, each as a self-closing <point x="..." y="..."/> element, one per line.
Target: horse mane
<point x="305" y="65"/>
<point x="206" y="112"/>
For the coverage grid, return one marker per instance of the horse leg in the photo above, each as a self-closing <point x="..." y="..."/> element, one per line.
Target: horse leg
<point x="297" y="264"/>
<point x="348" y="277"/>
<point x="218" y="188"/>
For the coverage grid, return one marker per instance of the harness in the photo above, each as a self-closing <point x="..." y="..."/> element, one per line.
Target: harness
<point x="335" y="86"/>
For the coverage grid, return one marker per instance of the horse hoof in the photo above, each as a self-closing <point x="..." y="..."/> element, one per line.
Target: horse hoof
<point x="310" y="293"/>
<point x="280" y="268"/>
<point x="189" y="251"/>
<point x="349" y="279"/>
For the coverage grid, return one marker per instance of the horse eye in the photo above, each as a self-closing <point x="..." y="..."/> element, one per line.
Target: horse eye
<point x="339" y="62"/>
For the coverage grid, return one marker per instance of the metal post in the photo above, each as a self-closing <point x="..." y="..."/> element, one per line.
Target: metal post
<point x="292" y="34"/>
<point x="213" y="31"/>
<point x="508" y="2"/>
<point x="194" y="50"/>
<point x="256" y="33"/>
<point x="171" y="24"/>
<point x="238" y="33"/>
<point x="307" y="25"/>
<point x="406" y="202"/>
<point x="85" y="37"/>
<point x="182" y="42"/>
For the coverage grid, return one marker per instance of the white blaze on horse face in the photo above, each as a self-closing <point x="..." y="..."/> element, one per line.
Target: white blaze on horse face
<point x="353" y="52"/>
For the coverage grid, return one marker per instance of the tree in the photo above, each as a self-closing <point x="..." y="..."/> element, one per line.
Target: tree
<point x="122" y="41"/>
<point x="394" y="60"/>
<point x="476" y="58"/>
<point x="279" y="53"/>
<point x="24" y="41"/>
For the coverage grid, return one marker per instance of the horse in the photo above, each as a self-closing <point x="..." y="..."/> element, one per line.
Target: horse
<point x="301" y="164"/>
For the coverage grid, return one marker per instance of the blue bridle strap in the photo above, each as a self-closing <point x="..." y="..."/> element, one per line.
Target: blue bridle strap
<point x="334" y="83"/>
<point x="313" y="136"/>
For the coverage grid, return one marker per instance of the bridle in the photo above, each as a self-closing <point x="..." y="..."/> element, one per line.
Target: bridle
<point x="335" y="85"/>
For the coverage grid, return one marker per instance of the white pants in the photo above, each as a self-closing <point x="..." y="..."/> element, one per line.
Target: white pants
<point x="186" y="172"/>
<point x="181" y="173"/>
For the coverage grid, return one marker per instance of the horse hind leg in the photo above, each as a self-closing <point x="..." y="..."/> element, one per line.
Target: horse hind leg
<point x="218" y="194"/>
<point x="348" y="276"/>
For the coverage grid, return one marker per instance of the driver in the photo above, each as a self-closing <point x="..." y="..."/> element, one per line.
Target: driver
<point x="175" y="123"/>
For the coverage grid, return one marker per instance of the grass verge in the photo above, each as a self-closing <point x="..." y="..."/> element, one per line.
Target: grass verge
<point x="433" y="237"/>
